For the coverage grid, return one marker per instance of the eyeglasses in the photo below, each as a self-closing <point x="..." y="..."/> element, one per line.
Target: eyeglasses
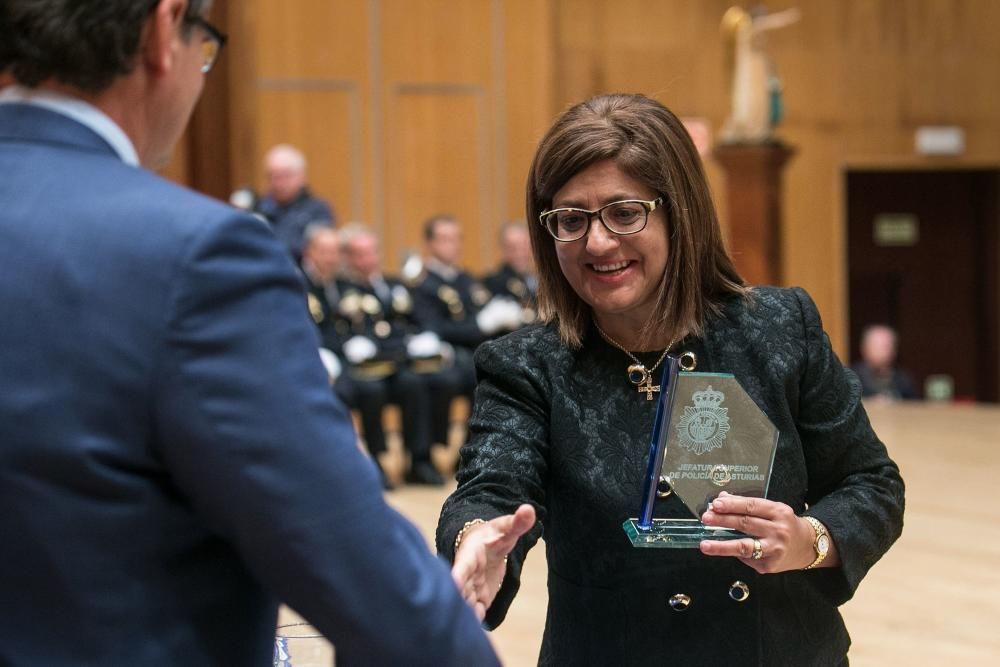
<point x="620" y="217"/>
<point x="211" y="47"/>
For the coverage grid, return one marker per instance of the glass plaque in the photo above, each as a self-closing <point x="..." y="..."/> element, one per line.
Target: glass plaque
<point x="709" y="436"/>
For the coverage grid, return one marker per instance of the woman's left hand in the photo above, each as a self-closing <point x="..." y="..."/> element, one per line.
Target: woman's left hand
<point x="784" y="541"/>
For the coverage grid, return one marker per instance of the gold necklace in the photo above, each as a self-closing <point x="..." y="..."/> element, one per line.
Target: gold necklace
<point x="638" y="374"/>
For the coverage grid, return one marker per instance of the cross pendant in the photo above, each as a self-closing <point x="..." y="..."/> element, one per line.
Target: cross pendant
<point x="649" y="388"/>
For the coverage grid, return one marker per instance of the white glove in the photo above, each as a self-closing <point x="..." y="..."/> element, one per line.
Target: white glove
<point x="242" y="199"/>
<point x="500" y="314"/>
<point x="331" y="363"/>
<point x="512" y="315"/>
<point x="423" y="345"/>
<point x="359" y="348"/>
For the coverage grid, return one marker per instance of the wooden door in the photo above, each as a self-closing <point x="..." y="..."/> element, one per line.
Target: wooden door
<point x="922" y="253"/>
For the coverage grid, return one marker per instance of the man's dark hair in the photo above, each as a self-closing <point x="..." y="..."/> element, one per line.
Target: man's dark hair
<point x="430" y="225"/>
<point x="85" y="44"/>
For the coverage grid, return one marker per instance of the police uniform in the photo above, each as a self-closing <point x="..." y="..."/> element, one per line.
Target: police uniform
<point x="367" y="397"/>
<point x="384" y="313"/>
<point x="448" y="305"/>
<point x="522" y="288"/>
<point x="289" y="221"/>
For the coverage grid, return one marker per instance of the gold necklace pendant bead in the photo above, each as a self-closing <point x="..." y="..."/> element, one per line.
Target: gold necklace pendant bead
<point x="688" y="362"/>
<point x="637" y="374"/>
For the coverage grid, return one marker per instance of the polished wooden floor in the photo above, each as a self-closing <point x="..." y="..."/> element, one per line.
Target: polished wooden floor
<point x="934" y="599"/>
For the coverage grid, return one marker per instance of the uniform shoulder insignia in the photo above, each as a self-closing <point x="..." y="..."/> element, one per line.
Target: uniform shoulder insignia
<point x="402" y="302"/>
<point x="517" y="287"/>
<point x="370" y="304"/>
<point x="415" y="280"/>
<point x="350" y="303"/>
<point x="480" y="295"/>
<point x="448" y="294"/>
<point x="315" y="309"/>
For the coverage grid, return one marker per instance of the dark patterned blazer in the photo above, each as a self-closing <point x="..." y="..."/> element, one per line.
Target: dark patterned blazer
<point x="564" y="430"/>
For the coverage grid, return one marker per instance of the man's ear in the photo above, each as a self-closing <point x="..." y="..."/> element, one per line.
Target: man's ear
<point x="162" y="34"/>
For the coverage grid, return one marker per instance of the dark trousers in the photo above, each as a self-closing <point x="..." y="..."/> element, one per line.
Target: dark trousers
<point x="404" y="388"/>
<point x="457" y="380"/>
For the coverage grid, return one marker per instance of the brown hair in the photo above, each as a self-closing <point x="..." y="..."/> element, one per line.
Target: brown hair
<point x="431" y="223"/>
<point x="649" y="144"/>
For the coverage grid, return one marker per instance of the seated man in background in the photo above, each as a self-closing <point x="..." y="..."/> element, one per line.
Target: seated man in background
<point x="516" y="278"/>
<point x="288" y="204"/>
<point x="173" y="464"/>
<point x="453" y="304"/>
<point x="387" y="345"/>
<point x="877" y="369"/>
<point x="320" y="268"/>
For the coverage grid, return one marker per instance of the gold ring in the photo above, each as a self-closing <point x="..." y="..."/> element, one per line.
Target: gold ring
<point x="758" y="552"/>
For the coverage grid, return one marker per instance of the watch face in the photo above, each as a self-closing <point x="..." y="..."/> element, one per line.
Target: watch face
<point x="823" y="544"/>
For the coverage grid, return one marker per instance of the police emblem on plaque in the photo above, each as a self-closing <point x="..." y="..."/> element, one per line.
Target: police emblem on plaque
<point x="703" y="426"/>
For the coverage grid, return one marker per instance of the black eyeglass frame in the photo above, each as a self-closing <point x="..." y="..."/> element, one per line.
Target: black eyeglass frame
<point x="214" y="34"/>
<point x="648" y="206"/>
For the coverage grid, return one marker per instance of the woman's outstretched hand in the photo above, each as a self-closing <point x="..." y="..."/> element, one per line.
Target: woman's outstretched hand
<point x="481" y="558"/>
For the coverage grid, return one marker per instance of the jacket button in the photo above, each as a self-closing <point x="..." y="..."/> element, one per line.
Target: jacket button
<point x="680" y="602"/>
<point x="739" y="591"/>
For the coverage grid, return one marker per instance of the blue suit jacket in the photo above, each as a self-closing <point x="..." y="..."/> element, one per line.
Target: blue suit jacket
<point x="172" y="460"/>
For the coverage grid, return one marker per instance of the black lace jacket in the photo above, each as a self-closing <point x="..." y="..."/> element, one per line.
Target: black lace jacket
<point x="565" y="431"/>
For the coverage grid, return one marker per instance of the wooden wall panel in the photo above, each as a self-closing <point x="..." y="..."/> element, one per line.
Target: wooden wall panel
<point x="437" y="92"/>
<point x="311" y="39"/>
<point x="859" y="77"/>
<point x="527" y="97"/>
<point x="437" y="162"/>
<point x="335" y="155"/>
<point x="436" y="41"/>
<point x="360" y="83"/>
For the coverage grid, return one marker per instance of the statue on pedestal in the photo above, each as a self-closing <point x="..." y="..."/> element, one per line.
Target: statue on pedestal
<point x="756" y="90"/>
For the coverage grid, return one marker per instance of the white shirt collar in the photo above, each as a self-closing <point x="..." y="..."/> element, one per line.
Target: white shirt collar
<point x="445" y="271"/>
<point x="80" y="111"/>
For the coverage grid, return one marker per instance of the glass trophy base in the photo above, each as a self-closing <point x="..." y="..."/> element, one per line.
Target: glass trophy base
<point x="676" y="533"/>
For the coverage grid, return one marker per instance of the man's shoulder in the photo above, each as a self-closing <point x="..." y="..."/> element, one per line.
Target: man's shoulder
<point x="100" y="196"/>
<point x="396" y="281"/>
<point x="163" y="210"/>
<point x="426" y="282"/>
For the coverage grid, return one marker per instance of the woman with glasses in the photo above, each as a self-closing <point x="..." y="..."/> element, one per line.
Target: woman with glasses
<point x="632" y="268"/>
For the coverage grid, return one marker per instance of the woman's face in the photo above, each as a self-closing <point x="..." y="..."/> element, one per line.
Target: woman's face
<point x="619" y="276"/>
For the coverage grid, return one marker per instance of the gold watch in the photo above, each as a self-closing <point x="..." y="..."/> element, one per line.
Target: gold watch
<point x="821" y="545"/>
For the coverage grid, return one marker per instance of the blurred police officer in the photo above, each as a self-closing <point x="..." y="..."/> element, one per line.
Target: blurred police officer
<point x="453" y="304"/>
<point x="368" y="395"/>
<point x="516" y="278"/>
<point x="388" y="344"/>
<point x="288" y="203"/>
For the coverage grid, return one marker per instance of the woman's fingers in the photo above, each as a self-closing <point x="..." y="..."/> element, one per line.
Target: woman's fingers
<point x="508" y="529"/>
<point x="762" y="508"/>
<point x="744" y="523"/>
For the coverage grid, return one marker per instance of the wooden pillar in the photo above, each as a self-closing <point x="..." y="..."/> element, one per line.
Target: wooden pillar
<point x="753" y="195"/>
<point x="211" y="156"/>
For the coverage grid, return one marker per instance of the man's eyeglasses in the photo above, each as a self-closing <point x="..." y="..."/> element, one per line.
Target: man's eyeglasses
<point x="620" y="217"/>
<point x="210" y="47"/>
